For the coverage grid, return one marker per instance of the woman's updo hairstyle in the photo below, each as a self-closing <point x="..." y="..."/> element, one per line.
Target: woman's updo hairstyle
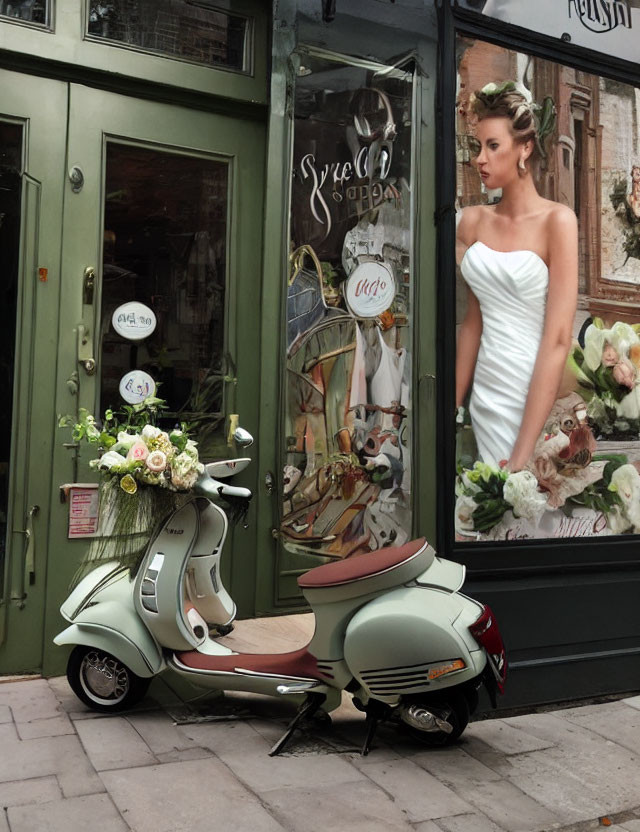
<point x="528" y="121"/>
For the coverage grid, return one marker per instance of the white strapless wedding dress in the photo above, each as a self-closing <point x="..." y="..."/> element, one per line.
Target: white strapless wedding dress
<point x="511" y="287"/>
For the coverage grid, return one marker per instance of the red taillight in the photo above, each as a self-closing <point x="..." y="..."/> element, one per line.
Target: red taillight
<point x="485" y="631"/>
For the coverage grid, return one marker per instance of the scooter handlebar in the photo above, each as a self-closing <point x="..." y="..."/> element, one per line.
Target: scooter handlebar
<point x="212" y="488"/>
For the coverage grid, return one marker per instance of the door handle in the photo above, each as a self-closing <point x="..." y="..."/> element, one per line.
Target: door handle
<point x="28" y="568"/>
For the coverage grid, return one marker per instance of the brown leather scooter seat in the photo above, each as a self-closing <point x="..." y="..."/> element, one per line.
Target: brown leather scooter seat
<point x="358" y="568"/>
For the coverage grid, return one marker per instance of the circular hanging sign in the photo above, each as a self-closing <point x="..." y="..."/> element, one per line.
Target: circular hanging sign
<point x="134" y="320"/>
<point x="370" y="290"/>
<point x="136" y="385"/>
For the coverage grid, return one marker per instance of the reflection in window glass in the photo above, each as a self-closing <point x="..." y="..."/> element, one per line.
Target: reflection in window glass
<point x="29" y="11"/>
<point x="10" y="190"/>
<point x="178" y="28"/>
<point x="581" y="477"/>
<point x="165" y="246"/>
<point x="347" y="473"/>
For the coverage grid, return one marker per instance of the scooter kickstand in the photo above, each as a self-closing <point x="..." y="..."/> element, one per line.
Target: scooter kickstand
<point x="372" y="727"/>
<point x="306" y="709"/>
<point x="376" y="713"/>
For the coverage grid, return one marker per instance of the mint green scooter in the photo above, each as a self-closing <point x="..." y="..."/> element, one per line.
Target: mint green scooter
<point x="391" y="628"/>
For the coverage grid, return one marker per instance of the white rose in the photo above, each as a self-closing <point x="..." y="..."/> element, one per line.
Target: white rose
<point x="125" y="440"/>
<point x="108" y="460"/>
<point x="521" y="490"/>
<point x="150" y="432"/>
<point x="626" y="480"/>
<point x="617" y="521"/>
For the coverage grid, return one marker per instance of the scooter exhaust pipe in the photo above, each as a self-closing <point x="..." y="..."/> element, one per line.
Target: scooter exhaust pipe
<point x="420" y="718"/>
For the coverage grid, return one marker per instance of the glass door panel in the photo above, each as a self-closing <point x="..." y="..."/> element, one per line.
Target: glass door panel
<point x="349" y="363"/>
<point x="11" y="166"/>
<point x="165" y="246"/>
<point x="32" y="145"/>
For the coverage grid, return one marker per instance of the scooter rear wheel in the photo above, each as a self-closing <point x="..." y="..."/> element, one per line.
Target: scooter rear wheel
<point x="453" y="708"/>
<point x="102" y="681"/>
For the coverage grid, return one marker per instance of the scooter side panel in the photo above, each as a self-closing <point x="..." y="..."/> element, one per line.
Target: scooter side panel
<point x="393" y="643"/>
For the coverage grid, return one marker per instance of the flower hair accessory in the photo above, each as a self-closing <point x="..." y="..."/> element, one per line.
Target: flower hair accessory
<point x="544" y="114"/>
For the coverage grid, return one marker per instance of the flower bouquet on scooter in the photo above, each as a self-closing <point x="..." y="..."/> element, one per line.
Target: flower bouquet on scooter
<point x="147" y="473"/>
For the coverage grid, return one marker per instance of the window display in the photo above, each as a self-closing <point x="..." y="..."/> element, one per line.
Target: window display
<point x="548" y="417"/>
<point x="347" y="474"/>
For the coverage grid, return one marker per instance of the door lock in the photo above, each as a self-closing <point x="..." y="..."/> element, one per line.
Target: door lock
<point x="270" y="482"/>
<point x="85" y="350"/>
<point x="88" y="285"/>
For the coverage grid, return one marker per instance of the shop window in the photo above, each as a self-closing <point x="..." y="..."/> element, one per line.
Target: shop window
<point x="165" y="240"/>
<point x="191" y="31"/>
<point x="348" y="408"/>
<point x="11" y="137"/>
<point x="582" y="477"/>
<point x="27" y="11"/>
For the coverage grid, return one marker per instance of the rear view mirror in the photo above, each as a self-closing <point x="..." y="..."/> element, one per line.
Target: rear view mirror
<point x="242" y="437"/>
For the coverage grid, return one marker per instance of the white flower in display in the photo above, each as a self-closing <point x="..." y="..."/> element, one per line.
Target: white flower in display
<point x="126" y="440"/>
<point x="111" y="458"/>
<point x="521" y="490"/>
<point x="150" y="432"/>
<point x="626" y="481"/>
<point x="156" y="461"/>
<point x="465" y="506"/>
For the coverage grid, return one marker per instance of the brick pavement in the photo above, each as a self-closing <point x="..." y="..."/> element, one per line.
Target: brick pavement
<point x="166" y="767"/>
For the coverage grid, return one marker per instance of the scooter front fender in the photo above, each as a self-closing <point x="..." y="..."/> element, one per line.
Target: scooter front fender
<point x="138" y="651"/>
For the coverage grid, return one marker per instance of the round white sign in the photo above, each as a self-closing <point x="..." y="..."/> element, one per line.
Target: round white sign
<point x="136" y="385"/>
<point x="370" y="290"/>
<point x="134" y="321"/>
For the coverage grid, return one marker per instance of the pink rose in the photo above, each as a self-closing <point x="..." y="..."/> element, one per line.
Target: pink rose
<point x="138" y="451"/>
<point x="624" y="374"/>
<point x="610" y="356"/>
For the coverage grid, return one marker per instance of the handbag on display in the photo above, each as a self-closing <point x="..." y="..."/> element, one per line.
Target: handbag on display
<point x="306" y="304"/>
<point x="305" y="301"/>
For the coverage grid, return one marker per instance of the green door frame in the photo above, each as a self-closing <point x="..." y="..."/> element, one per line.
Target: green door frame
<point x="273" y="596"/>
<point x="40" y="106"/>
<point x="94" y="117"/>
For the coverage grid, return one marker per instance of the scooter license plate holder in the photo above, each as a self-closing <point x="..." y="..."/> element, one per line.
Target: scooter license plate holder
<point x="490" y="678"/>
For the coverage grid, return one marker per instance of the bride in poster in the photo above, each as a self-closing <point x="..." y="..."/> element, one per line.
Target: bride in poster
<point x="519" y="259"/>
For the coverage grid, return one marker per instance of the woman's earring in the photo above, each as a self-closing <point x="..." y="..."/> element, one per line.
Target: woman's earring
<point x="521" y="164"/>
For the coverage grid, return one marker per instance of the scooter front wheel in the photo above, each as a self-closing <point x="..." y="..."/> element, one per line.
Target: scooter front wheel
<point x="102" y="681"/>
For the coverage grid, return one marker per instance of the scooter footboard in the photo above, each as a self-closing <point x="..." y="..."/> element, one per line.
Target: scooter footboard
<point x="405" y="643"/>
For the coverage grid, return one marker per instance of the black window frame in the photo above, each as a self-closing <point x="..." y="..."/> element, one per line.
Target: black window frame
<point x="487" y="560"/>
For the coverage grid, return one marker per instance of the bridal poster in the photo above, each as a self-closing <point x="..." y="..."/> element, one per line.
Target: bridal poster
<point x="582" y="478"/>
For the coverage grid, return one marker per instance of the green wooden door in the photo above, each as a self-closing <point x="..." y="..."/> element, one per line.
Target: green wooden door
<point x="163" y="206"/>
<point x="32" y="146"/>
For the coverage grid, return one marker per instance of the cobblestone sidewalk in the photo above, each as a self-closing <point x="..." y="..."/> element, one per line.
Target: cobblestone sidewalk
<point x="165" y="768"/>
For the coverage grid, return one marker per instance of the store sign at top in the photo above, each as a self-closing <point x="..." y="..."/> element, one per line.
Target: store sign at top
<point x="608" y="26"/>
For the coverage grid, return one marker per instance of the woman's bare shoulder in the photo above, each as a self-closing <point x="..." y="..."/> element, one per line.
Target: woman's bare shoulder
<point x="560" y="216"/>
<point x="471" y="217"/>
